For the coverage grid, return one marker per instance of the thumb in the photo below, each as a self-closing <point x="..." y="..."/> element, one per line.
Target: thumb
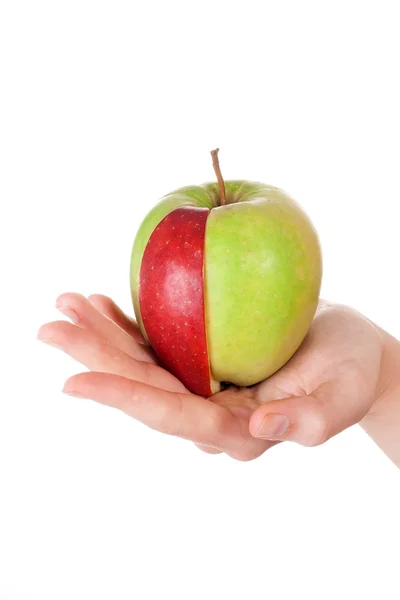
<point x="311" y="419"/>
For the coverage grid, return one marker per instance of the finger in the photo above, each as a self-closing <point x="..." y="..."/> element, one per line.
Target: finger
<point x="312" y="419"/>
<point x="105" y="305"/>
<point x="84" y="314"/>
<point x="183" y="415"/>
<point x="97" y="355"/>
<point x="208" y="449"/>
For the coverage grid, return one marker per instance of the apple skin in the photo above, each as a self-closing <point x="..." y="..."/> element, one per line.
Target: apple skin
<point x="262" y="277"/>
<point x="188" y="196"/>
<point x="171" y="296"/>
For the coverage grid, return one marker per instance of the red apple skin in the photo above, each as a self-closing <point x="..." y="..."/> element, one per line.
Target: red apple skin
<point x="171" y="296"/>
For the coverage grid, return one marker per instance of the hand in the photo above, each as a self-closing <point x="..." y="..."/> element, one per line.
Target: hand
<point x="330" y="384"/>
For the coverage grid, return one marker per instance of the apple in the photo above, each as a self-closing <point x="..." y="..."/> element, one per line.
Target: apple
<point x="225" y="280"/>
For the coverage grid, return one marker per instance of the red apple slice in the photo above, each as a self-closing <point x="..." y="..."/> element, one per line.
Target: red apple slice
<point x="171" y="297"/>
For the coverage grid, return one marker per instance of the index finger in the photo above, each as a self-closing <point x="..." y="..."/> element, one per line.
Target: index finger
<point x="89" y="317"/>
<point x="108" y="307"/>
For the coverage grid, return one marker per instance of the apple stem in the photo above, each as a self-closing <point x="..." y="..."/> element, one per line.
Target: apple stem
<point x="221" y="183"/>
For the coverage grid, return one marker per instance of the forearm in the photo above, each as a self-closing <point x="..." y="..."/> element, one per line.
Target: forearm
<point x="382" y="423"/>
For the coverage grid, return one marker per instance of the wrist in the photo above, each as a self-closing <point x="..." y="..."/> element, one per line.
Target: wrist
<point x="382" y="422"/>
<point x="389" y="377"/>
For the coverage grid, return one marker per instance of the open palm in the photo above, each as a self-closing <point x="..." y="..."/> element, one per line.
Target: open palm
<point x="328" y="385"/>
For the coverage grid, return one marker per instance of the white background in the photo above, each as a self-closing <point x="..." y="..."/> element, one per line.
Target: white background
<point x="106" y="106"/>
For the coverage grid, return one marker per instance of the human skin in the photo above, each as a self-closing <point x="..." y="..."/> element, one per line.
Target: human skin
<point x="345" y="372"/>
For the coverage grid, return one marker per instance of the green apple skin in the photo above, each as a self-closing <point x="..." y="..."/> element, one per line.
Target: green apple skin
<point x="262" y="276"/>
<point x="263" y="271"/>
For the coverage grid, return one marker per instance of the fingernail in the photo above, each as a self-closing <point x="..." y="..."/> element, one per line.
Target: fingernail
<point x="272" y="426"/>
<point x="50" y="342"/>
<point x="72" y="393"/>
<point x="68" y="312"/>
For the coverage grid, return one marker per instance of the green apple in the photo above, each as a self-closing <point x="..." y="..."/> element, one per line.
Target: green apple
<point x="225" y="281"/>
